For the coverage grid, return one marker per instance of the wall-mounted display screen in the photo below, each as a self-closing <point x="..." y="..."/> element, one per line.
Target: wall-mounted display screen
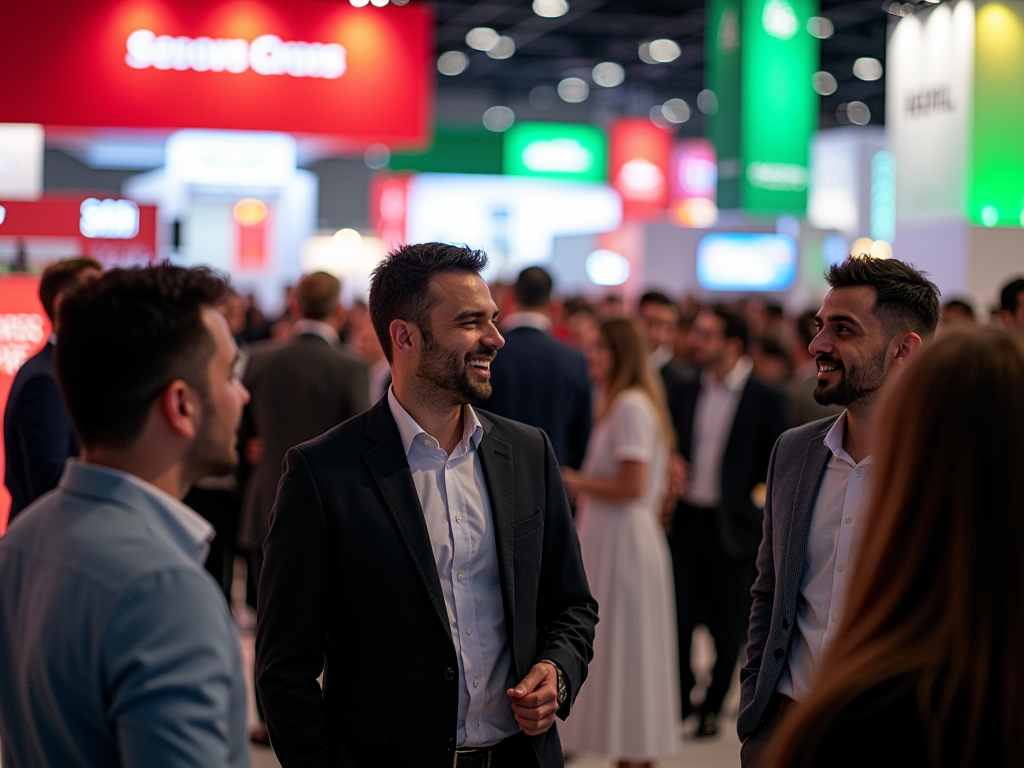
<point x="746" y="262"/>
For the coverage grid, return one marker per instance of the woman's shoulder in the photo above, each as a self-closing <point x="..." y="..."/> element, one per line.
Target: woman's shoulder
<point x="633" y="398"/>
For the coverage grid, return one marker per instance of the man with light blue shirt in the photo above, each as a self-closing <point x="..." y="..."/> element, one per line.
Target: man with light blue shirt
<point x="116" y="646"/>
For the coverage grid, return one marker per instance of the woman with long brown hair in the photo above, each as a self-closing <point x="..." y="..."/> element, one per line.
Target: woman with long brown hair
<point x="627" y="710"/>
<point x="929" y="668"/>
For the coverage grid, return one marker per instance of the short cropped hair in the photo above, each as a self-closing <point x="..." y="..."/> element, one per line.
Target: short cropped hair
<point x="317" y="295"/>
<point x="400" y="285"/>
<point x="60" y="277"/>
<point x="906" y="301"/>
<point x="656" y="297"/>
<point x="1010" y="295"/>
<point x="124" y="338"/>
<point x="533" y="288"/>
<point x="735" y="325"/>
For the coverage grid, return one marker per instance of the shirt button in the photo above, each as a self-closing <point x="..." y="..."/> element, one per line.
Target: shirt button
<point x="858" y="472"/>
<point x="461" y="574"/>
<point x="426" y="442"/>
<point x="839" y="567"/>
<point x="835" y="617"/>
<point x="458" y="518"/>
<point x="476" y="683"/>
<point x="469" y="630"/>
<point x="449" y="674"/>
<point x="849" y="519"/>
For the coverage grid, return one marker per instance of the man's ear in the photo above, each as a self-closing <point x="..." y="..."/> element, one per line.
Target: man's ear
<point x="178" y="407"/>
<point x="405" y="338"/>
<point x="908" y="346"/>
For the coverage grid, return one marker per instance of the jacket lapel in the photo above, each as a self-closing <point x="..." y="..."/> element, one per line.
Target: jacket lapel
<point x="496" y="460"/>
<point x="390" y="470"/>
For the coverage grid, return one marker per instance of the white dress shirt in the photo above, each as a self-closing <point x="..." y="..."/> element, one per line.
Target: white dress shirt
<point x="831" y="541"/>
<point x="526" y="319"/>
<point x="713" y="416"/>
<point x="453" y="495"/>
<point x="319" y="328"/>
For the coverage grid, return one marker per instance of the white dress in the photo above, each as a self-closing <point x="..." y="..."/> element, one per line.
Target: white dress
<point x="628" y="708"/>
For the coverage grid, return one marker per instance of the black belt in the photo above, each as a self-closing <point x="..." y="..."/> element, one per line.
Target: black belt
<point x="500" y="755"/>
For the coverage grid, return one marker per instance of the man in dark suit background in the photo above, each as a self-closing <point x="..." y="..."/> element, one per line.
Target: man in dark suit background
<point x="659" y="319"/>
<point x="873" y="321"/>
<point x="422" y="557"/>
<point x="38" y="435"/>
<point x="727" y="422"/>
<point x="537" y="379"/>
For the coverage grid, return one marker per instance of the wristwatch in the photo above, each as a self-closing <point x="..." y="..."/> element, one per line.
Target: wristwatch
<point x="563" y="691"/>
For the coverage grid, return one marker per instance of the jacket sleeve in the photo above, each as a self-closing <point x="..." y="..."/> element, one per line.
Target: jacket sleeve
<point x="566" y="611"/>
<point x="44" y="431"/>
<point x="763" y="593"/>
<point x="171" y="660"/>
<point x="291" y="623"/>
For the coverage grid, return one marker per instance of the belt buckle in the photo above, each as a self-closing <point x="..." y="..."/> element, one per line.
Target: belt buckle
<point x="487" y="754"/>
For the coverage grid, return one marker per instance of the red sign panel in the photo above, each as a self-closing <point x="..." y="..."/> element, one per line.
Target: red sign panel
<point x="301" y="66"/>
<point x="639" y="167"/>
<point x="389" y="196"/>
<point x="24" y="329"/>
<point x="115" y="232"/>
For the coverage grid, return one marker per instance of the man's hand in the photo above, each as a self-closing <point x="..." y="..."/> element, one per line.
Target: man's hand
<point x="535" y="699"/>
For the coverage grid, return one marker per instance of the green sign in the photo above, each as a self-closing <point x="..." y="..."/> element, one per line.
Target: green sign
<point x="556" y="151"/>
<point x="455" y="150"/>
<point x="723" y="57"/>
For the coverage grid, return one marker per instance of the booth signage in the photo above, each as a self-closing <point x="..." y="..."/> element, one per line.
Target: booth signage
<point x="301" y="66"/>
<point x="556" y="151"/>
<point x="638" y="167"/>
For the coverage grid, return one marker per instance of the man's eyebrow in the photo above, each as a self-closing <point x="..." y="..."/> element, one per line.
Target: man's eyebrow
<point x="470" y="314"/>
<point x="844" y="319"/>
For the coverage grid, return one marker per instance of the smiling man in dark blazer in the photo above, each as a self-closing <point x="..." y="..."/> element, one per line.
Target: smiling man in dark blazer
<point x="423" y="557"/>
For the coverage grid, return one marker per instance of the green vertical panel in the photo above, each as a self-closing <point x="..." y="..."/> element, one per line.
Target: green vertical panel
<point x="723" y="79"/>
<point x="997" y="153"/>
<point x="455" y="150"/>
<point x="779" y="105"/>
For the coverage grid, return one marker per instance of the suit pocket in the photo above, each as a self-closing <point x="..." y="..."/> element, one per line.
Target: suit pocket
<point x="525" y="527"/>
<point x="364" y="727"/>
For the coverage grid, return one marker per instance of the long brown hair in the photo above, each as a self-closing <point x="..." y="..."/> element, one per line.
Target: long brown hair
<point x="940" y="592"/>
<point x="630" y="370"/>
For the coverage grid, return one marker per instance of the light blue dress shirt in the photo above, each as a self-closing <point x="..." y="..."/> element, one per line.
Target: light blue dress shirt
<point x="453" y="495"/>
<point x="116" y="647"/>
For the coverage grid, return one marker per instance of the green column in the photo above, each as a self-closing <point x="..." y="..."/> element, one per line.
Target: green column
<point x="723" y="79"/>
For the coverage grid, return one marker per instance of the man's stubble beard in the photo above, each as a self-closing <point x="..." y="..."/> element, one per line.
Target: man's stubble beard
<point x="208" y="456"/>
<point x="855" y="383"/>
<point x="448" y="372"/>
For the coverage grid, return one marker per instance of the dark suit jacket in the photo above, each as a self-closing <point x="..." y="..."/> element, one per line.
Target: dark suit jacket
<point x="299" y="390"/>
<point x="794" y="474"/>
<point x="760" y="419"/>
<point x="542" y="382"/>
<point x="350" y="585"/>
<point x="38" y="435"/>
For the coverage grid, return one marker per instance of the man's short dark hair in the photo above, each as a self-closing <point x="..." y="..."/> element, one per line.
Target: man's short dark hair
<point x="400" y="285"/>
<point x="656" y="297"/>
<point x="806" y="327"/>
<point x="1009" y="297"/>
<point x="735" y="325"/>
<point x="124" y="338"/>
<point x="905" y="301"/>
<point x="60" y="277"/>
<point x="317" y="295"/>
<point x="533" y="288"/>
<point x="963" y="306"/>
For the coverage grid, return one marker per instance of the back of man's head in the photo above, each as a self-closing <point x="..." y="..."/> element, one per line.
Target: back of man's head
<point x="905" y="300"/>
<point x="656" y="297"/>
<point x="62" y="277"/>
<point x="400" y="285"/>
<point x="125" y="337"/>
<point x="317" y="295"/>
<point x="1010" y="297"/>
<point x="533" y="289"/>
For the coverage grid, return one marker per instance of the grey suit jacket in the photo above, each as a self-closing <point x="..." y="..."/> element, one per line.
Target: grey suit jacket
<point x="299" y="389"/>
<point x="794" y="474"/>
<point x="116" y="647"/>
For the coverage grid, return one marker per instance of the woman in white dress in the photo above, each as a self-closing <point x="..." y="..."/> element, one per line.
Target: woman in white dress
<point x="627" y="709"/>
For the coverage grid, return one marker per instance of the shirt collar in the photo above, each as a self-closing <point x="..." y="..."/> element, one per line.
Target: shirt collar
<point x="736" y="379"/>
<point x="834" y="442"/>
<point x="472" y="429"/>
<point x="659" y="358"/>
<point x="317" y="328"/>
<point x="527" y="319"/>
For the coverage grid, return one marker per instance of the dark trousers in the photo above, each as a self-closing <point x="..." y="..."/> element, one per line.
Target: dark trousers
<point x="711" y="589"/>
<point x="220" y="508"/>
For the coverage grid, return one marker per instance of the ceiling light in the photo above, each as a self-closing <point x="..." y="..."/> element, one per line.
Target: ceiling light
<point x="824" y="83"/>
<point x="573" y="90"/>
<point x="499" y="119"/>
<point x="881" y="250"/>
<point x="482" y="38"/>
<point x="452" y="63"/>
<point x="347" y="238"/>
<point x="607" y="268"/>
<point x="644" y="52"/>
<point x="399" y="2"/>
<point x="250" y="212"/>
<point x="676" y="111"/>
<point x="376" y="156"/>
<point x="663" y="51"/>
<point x="707" y="102"/>
<point x="359" y="3"/>
<point x="856" y="112"/>
<point x="608" y="74"/>
<point x="820" y="27"/>
<point x="861" y="246"/>
<point x="659" y="119"/>
<point x="550" y="9"/>
<point x="503" y="49"/>
<point x="543" y="97"/>
<point x="867" y="68"/>
<point x="379" y="3"/>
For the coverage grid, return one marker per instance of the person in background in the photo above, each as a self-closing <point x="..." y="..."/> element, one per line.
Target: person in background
<point x="727" y="421"/>
<point x="39" y="437"/>
<point x="872" y="322"/>
<point x="772" y="362"/>
<point x="1011" y="304"/>
<point x="300" y="388"/>
<point x="364" y="341"/>
<point x="927" y="660"/>
<point x="580" y="322"/>
<point x="803" y="408"/>
<point x="422" y="557"/>
<point x="659" y="319"/>
<point x="116" y="648"/>
<point x="681" y="347"/>
<point x="956" y="313"/>
<point x="627" y="711"/>
<point x="537" y="379"/>
<point x="610" y="305"/>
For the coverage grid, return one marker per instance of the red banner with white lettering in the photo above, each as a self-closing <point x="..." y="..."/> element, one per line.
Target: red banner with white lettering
<point x="638" y="167"/>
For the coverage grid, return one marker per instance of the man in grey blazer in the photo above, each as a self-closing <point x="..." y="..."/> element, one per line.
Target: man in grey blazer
<point x="116" y="646"/>
<point x="873" y="320"/>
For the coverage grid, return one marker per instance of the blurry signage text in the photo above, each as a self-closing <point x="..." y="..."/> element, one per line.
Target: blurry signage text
<point x="556" y="150"/>
<point x="111" y="219"/>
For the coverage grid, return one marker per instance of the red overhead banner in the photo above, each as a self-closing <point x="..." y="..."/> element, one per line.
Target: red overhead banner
<point x="299" y="66"/>
<point x="638" y="167"/>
